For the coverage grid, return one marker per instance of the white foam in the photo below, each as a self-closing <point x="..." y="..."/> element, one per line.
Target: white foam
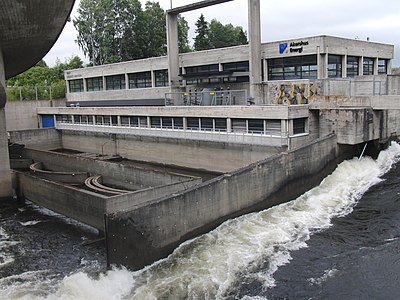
<point x="327" y="274"/>
<point x="29" y="223"/>
<point x="209" y="266"/>
<point x="6" y="257"/>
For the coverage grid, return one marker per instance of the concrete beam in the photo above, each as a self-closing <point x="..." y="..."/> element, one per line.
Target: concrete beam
<point x="172" y="38"/>
<point x="255" y="50"/>
<point x="194" y="6"/>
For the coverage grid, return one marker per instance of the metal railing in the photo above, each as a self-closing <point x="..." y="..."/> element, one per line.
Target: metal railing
<point x="189" y="134"/>
<point x="49" y="92"/>
<point x="207" y="98"/>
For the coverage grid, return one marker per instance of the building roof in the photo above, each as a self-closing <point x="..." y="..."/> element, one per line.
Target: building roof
<point x="28" y="30"/>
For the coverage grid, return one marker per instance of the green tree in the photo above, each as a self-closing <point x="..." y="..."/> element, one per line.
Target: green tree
<point x="119" y="30"/>
<point x="154" y="34"/>
<point x="201" y="40"/>
<point x="216" y="35"/>
<point x="183" y="37"/>
<point x="41" y="81"/>
<point x="225" y="35"/>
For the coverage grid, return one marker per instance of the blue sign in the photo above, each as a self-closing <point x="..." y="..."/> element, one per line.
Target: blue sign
<point x="282" y="47"/>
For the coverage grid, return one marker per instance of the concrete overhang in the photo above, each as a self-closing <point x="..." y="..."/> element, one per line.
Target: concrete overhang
<point x="28" y="30"/>
<point x="194" y="6"/>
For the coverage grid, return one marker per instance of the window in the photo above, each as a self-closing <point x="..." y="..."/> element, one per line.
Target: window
<point x="178" y="123"/>
<point x="255" y="126"/>
<point x="352" y="66"/>
<point x="220" y="124"/>
<point x="273" y="127"/>
<point x="239" y="125"/>
<point x="299" y="126"/>
<point x="382" y="66"/>
<point x="143" y="122"/>
<point x="115" y="82"/>
<point x="124" y="121"/>
<point x="75" y="86"/>
<point x="134" y="121"/>
<point x="368" y="66"/>
<point x="94" y="84"/>
<point x="114" y="120"/>
<point x="207" y="124"/>
<point x="240" y="66"/>
<point x="297" y="67"/>
<point x="64" y="118"/>
<point x="155" y="122"/>
<point x="161" y="78"/>
<point x="334" y="66"/>
<point x="205" y="69"/>
<point x="192" y="123"/>
<point x="140" y="80"/>
<point x="166" y="122"/>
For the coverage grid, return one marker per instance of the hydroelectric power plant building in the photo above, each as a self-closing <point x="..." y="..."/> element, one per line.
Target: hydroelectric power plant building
<point x="156" y="151"/>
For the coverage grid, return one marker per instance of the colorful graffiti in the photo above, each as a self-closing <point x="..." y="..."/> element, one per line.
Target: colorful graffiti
<point x="295" y="93"/>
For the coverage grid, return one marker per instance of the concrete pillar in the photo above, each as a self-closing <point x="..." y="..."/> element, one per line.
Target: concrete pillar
<point x="255" y="50"/>
<point x="153" y="78"/>
<point x="344" y="66"/>
<point x="5" y="172"/>
<point x="126" y="81"/>
<point x="376" y="66"/>
<point x="361" y="66"/>
<point x="389" y="66"/>
<point x="228" y="125"/>
<point x="84" y="85"/>
<point x="104" y="83"/>
<point x="265" y="70"/>
<point x="173" y="51"/>
<point x="322" y="64"/>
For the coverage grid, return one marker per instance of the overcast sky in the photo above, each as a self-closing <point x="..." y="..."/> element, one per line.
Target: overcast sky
<point x="281" y="20"/>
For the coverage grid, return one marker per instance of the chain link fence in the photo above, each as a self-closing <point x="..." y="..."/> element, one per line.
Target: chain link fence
<point x="22" y="93"/>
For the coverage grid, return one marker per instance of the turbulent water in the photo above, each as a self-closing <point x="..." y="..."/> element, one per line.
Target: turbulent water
<point x="336" y="241"/>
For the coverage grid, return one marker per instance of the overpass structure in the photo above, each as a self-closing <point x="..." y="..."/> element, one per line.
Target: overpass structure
<point x="28" y="30"/>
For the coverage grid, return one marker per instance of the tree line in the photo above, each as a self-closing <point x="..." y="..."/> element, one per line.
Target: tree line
<point x="111" y="31"/>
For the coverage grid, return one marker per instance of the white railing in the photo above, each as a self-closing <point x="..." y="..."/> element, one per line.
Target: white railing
<point x="213" y="136"/>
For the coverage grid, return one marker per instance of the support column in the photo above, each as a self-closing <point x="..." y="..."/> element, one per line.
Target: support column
<point x="5" y="171"/>
<point x="255" y="50"/>
<point x="173" y="51"/>
<point x="361" y="66"/>
<point x="344" y="66"/>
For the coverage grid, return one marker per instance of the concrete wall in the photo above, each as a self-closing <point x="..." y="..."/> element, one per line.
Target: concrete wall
<point x="48" y="138"/>
<point x="352" y="126"/>
<point x="22" y="115"/>
<point x="393" y="85"/>
<point x="113" y="173"/>
<point x="84" y="206"/>
<point x="150" y="232"/>
<point x="217" y="157"/>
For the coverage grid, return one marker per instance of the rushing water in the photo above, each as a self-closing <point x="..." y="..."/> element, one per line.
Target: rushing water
<point x="334" y="242"/>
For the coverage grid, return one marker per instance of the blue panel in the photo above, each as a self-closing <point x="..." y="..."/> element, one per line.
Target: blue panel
<point x="47" y="121"/>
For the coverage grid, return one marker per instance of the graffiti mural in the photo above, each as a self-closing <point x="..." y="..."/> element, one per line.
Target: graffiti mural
<point x="295" y="93"/>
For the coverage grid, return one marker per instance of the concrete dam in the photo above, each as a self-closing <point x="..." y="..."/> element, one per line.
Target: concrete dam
<point x="156" y="151"/>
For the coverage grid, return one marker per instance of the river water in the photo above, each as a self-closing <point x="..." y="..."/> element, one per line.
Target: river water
<point x="340" y="240"/>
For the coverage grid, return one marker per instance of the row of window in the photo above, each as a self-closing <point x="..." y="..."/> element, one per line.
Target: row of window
<point x="306" y="67"/>
<point x="253" y="126"/>
<point x="117" y="82"/>
<point x="284" y="68"/>
<point x="144" y="80"/>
